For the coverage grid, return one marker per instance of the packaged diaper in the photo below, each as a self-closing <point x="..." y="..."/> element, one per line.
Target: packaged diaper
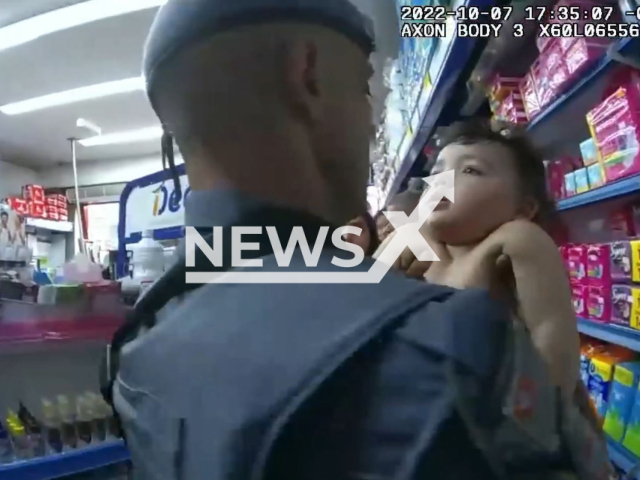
<point x="635" y="260"/>
<point x="620" y="254"/>
<point x="601" y="374"/>
<point x="599" y="303"/>
<point x="589" y="152"/>
<point x="595" y="174"/>
<point x="579" y="294"/>
<point x="632" y="436"/>
<point x="621" y="304"/>
<point x="621" y="399"/>
<point x="570" y="188"/>
<point x="635" y="308"/>
<point x="589" y="347"/>
<point x="582" y="180"/>
<point x="599" y="265"/>
<point x="577" y="263"/>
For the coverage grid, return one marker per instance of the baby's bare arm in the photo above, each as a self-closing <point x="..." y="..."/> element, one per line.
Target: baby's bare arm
<point x="545" y="299"/>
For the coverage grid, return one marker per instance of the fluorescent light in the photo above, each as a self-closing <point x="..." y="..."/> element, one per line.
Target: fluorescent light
<point x="76" y="95"/>
<point x="131" y="136"/>
<point x="69" y="17"/>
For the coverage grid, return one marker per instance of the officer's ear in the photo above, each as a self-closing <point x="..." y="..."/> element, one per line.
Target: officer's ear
<point x="302" y="85"/>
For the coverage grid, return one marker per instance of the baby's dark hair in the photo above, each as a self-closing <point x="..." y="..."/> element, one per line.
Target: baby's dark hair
<point x="528" y="161"/>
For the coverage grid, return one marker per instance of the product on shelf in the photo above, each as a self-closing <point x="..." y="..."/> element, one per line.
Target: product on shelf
<point x="621" y="399"/>
<point x="579" y="295"/>
<point x="595" y="175"/>
<point x="6" y="447"/>
<point x="589" y="347"/>
<point x="589" y="152"/>
<point x="615" y="126"/>
<point x="529" y="93"/>
<point x="599" y="265"/>
<point x="555" y="179"/>
<point x="570" y="187"/>
<point x="635" y="260"/>
<point x="34" y="431"/>
<point x="599" y="303"/>
<point x="33" y="193"/>
<point x="621" y="304"/>
<point x="53" y="425"/>
<point x="577" y="263"/>
<point x="601" y="374"/>
<point x="582" y="180"/>
<point x="622" y="223"/>
<point x="632" y="436"/>
<point x="18" y="205"/>
<point x="583" y="52"/>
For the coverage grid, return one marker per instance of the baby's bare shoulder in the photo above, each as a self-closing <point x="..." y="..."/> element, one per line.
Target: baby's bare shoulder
<point x="525" y="238"/>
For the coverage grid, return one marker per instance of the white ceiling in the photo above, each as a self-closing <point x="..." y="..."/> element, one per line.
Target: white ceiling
<point x="99" y="52"/>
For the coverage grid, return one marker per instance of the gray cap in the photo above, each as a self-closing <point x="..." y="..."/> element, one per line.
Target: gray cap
<point x="182" y="23"/>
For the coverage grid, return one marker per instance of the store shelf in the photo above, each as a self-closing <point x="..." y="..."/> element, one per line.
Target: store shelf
<point x="610" y="191"/>
<point x="50" y="225"/>
<point x="64" y="464"/>
<point x="448" y="62"/>
<point x="560" y="122"/>
<point x="622" y="458"/>
<point x="610" y="333"/>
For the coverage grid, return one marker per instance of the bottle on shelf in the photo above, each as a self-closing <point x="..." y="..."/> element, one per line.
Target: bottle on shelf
<point x="84" y="420"/>
<point x="99" y="418"/>
<point x="52" y="423"/>
<point x="68" y="426"/>
<point x="6" y="448"/>
<point x="34" y="431"/>
<point x="21" y="443"/>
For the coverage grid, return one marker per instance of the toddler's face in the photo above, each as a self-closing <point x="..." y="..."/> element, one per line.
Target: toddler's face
<point x="486" y="193"/>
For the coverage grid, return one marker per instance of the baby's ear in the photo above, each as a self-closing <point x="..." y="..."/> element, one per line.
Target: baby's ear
<point x="529" y="209"/>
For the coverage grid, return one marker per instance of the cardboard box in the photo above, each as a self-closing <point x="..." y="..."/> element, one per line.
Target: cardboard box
<point x="18" y="205"/>
<point x="36" y="209"/>
<point x="34" y="193"/>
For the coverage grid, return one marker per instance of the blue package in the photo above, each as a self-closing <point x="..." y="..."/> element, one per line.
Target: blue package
<point x="582" y="180"/>
<point x="621" y="399"/>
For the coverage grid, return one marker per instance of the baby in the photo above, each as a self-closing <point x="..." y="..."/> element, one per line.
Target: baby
<point x="493" y="236"/>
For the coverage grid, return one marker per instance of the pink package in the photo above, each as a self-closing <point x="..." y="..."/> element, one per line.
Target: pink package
<point x="621" y="304"/>
<point x="555" y="179"/>
<point x="512" y="109"/>
<point x="582" y="52"/>
<point x="620" y="256"/>
<point x="599" y="303"/>
<point x="615" y="124"/>
<point x="579" y="298"/>
<point x="556" y="69"/>
<point x="622" y="224"/>
<point x="577" y="263"/>
<point x="501" y="86"/>
<point x="599" y="265"/>
<point x="529" y="95"/>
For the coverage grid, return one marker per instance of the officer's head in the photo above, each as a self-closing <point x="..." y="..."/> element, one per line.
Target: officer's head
<point x="266" y="95"/>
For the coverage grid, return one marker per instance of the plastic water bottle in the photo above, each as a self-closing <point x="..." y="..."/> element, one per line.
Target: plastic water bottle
<point x="148" y="261"/>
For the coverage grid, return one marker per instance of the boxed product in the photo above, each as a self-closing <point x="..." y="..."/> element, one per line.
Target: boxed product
<point x="56" y="200"/>
<point x="33" y="193"/>
<point x="622" y="224"/>
<point x="635" y="260"/>
<point x="599" y="303"/>
<point x="615" y="125"/>
<point x="36" y="209"/>
<point x="18" y="205"/>
<point x="599" y="265"/>
<point x="621" y="399"/>
<point x="52" y="213"/>
<point x="589" y="347"/>
<point x="635" y="309"/>
<point x="582" y="180"/>
<point x="511" y="109"/>
<point x="632" y="436"/>
<point x="601" y="374"/>
<point x="579" y="295"/>
<point x="595" y="175"/>
<point x="582" y="52"/>
<point x="621" y="304"/>
<point x="555" y="179"/>
<point x="570" y="184"/>
<point x="589" y="152"/>
<point x="620" y="261"/>
<point x="501" y="87"/>
<point x="577" y="263"/>
<point x="529" y="94"/>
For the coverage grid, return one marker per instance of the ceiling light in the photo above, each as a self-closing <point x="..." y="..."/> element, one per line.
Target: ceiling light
<point x="131" y="136"/>
<point x="76" y="95"/>
<point x="69" y="17"/>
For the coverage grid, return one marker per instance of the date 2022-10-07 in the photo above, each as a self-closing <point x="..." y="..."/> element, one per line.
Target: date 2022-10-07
<point x="431" y="22"/>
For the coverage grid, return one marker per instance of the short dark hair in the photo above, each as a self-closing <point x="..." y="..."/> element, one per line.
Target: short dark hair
<point x="528" y="161"/>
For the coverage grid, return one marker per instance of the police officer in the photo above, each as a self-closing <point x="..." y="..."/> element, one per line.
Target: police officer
<point x="268" y="102"/>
